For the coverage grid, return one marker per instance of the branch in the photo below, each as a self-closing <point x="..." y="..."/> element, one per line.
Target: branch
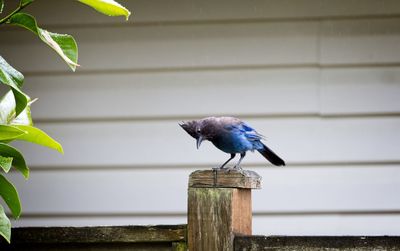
<point x="20" y="7"/>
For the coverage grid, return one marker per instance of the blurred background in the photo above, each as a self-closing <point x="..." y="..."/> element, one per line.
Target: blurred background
<point x="320" y="79"/>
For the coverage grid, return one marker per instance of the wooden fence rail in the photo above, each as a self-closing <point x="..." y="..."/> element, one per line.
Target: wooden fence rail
<point x="314" y="243"/>
<point x="144" y="238"/>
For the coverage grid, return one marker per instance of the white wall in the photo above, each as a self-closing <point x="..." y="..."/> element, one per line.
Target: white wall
<point x="321" y="79"/>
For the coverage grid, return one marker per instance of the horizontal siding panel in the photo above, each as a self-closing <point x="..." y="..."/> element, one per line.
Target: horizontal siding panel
<point x="262" y="225"/>
<point x="173" y="94"/>
<point x="131" y="95"/>
<point x="183" y="10"/>
<point x="327" y="225"/>
<point x="365" y="41"/>
<point x="297" y="140"/>
<point x="142" y="191"/>
<point x="360" y="91"/>
<point x="179" y="46"/>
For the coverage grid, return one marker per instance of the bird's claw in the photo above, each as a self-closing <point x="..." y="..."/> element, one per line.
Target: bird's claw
<point x="220" y="168"/>
<point x="225" y="169"/>
<point x="239" y="169"/>
<point x="231" y="169"/>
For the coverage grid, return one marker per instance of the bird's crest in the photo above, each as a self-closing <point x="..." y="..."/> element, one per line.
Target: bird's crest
<point x="190" y="128"/>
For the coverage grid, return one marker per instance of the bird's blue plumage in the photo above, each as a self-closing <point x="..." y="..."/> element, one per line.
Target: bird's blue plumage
<point x="230" y="135"/>
<point x="238" y="138"/>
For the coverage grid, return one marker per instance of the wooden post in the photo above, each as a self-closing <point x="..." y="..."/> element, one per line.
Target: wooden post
<point x="219" y="207"/>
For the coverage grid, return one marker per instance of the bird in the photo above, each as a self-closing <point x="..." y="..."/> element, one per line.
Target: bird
<point x="230" y="135"/>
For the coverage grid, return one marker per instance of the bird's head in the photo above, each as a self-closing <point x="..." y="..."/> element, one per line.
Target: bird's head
<point x="195" y="129"/>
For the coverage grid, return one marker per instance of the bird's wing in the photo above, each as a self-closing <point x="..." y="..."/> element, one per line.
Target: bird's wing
<point x="245" y="129"/>
<point x="250" y="133"/>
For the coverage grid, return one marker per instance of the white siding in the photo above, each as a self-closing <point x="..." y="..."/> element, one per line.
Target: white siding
<point x="175" y="94"/>
<point x="321" y="79"/>
<point x="301" y="140"/>
<point x="216" y="45"/>
<point x="370" y="90"/>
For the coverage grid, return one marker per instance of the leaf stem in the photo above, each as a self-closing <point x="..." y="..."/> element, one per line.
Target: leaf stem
<point x="20" y="7"/>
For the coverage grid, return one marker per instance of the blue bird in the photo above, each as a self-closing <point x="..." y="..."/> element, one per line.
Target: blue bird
<point x="230" y="135"/>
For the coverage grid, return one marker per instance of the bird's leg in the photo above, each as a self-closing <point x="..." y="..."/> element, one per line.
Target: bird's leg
<point x="237" y="166"/>
<point x="226" y="162"/>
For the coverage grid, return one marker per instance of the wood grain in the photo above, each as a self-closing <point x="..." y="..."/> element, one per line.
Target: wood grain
<point x="145" y="238"/>
<point x="224" y="178"/>
<point x="103" y="234"/>
<point x="219" y="207"/>
<point x="315" y="243"/>
<point x="215" y="215"/>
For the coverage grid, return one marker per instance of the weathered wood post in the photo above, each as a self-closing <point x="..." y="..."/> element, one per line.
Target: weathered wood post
<point x="219" y="207"/>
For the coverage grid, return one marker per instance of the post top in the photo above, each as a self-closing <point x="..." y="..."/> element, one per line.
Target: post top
<point x="225" y="179"/>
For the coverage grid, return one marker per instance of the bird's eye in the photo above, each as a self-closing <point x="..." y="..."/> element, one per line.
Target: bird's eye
<point x="198" y="130"/>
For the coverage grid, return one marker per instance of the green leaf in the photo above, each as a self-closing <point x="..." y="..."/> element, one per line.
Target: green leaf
<point x="24" y="118"/>
<point x="8" y="111"/>
<point x="25" y="2"/>
<point x="10" y="196"/>
<point x="37" y="136"/>
<point x="18" y="160"/>
<point x="14" y="79"/>
<point x="5" y="163"/>
<point x="7" y="108"/>
<point x="8" y="132"/>
<point x="63" y="44"/>
<point x="108" y="7"/>
<point x="9" y="75"/>
<point x="1" y="6"/>
<point x="21" y="99"/>
<point x="5" y="225"/>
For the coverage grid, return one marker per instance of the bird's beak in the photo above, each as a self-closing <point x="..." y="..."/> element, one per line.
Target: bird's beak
<point x="198" y="141"/>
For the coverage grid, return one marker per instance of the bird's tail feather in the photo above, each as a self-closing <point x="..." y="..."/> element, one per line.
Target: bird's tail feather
<point x="271" y="156"/>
